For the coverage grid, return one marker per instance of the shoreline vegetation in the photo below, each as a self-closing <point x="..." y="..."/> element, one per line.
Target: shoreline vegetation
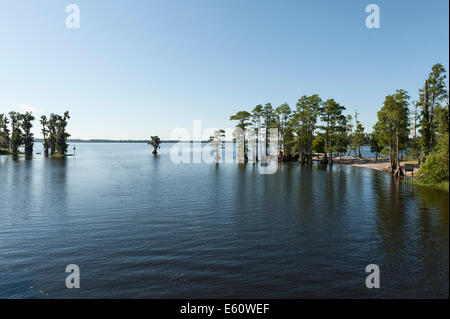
<point x="416" y="133"/>
<point x="107" y="141"/>
<point x="383" y="165"/>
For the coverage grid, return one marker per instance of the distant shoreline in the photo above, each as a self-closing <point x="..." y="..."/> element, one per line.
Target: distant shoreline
<point x="120" y="141"/>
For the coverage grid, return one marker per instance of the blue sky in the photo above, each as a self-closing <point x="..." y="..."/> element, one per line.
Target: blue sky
<point x="140" y="68"/>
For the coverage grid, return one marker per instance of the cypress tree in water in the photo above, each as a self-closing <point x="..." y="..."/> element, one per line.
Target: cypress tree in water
<point x="45" y="131"/>
<point x="61" y="134"/>
<point x="155" y="143"/>
<point x="28" y="137"/>
<point x="16" y="133"/>
<point x="4" y="132"/>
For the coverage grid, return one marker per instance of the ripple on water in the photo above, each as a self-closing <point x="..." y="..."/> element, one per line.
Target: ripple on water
<point x="141" y="226"/>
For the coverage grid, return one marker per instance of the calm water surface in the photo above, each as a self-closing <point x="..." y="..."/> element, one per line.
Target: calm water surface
<point x="143" y="227"/>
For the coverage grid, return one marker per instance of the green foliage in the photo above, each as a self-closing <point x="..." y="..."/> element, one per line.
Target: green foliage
<point x="5" y="151"/>
<point x="434" y="129"/>
<point x="436" y="167"/>
<point x="413" y="151"/>
<point x="319" y="145"/>
<point x="269" y="122"/>
<point x="335" y="125"/>
<point x="432" y="171"/>
<point x="242" y="117"/>
<point x="392" y="128"/>
<point x="436" y="85"/>
<point x="432" y="97"/>
<point x="386" y="151"/>
<point x="414" y="143"/>
<point x="283" y="112"/>
<point x="305" y="120"/>
<point x="155" y="142"/>
<point x="61" y="134"/>
<point x="4" y="132"/>
<point x="289" y="141"/>
<point x="54" y="132"/>
<point x="45" y="132"/>
<point x="357" y="138"/>
<point x="443" y="186"/>
<point x="443" y="121"/>
<point x="256" y="117"/>
<point x="282" y="116"/>
<point x="375" y="145"/>
<point x="298" y="135"/>
<point x="57" y="155"/>
<point x="52" y="124"/>
<point x="426" y="134"/>
<point x="28" y="137"/>
<point x="16" y="133"/>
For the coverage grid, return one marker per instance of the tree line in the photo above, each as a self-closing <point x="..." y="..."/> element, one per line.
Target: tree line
<point x="314" y="126"/>
<point x="417" y="130"/>
<point x="15" y="131"/>
<point x="420" y="128"/>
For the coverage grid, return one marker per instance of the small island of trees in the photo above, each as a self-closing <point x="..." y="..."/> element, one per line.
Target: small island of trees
<point x="155" y="142"/>
<point x="15" y="131"/>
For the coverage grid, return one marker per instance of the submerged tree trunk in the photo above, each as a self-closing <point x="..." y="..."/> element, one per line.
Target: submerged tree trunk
<point x="309" y="156"/>
<point x="45" y="147"/>
<point x="398" y="170"/>
<point x="245" y="150"/>
<point x="29" y="151"/>
<point x="216" y="151"/>
<point x="52" y="148"/>
<point x="432" y="129"/>
<point x="391" y="156"/>
<point x="426" y="149"/>
<point x="257" y="144"/>
<point x="301" y="155"/>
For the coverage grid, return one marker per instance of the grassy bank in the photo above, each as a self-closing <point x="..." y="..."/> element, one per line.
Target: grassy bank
<point x="4" y="151"/>
<point x="57" y="155"/>
<point x="444" y="186"/>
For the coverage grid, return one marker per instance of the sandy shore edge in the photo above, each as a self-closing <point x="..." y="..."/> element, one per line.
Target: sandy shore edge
<point x="382" y="165"/>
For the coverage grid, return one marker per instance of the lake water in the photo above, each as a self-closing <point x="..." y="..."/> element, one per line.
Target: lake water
<point x="140" y="226"/>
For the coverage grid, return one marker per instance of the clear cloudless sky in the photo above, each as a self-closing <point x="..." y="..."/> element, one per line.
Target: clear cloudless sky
<point x="142" y="67"/>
